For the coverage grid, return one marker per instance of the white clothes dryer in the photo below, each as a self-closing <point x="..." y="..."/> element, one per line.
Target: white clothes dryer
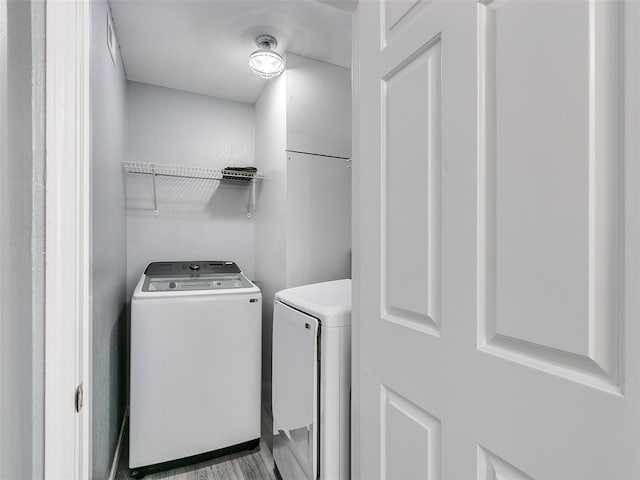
<point x="312" y="381"/>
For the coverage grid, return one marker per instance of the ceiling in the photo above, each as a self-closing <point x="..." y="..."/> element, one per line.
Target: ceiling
<point x="203" y="46"/>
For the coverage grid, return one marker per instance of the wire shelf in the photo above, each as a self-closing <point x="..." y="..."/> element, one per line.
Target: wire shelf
<point x="182" y="171"/>
<point x="248" y="178"/>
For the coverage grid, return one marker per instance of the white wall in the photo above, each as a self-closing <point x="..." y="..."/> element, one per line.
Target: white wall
<point x="21" y="239"/>
<point x="270" y="243"/>
<point x="194" y="222"/>
<point x="109" y="346"/>
<point x="15" y="243"/>
<point x="318" y="219"/>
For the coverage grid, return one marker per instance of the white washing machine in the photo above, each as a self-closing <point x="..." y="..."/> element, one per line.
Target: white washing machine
<point x="312" y="381"/>
<point x="195" y="364"/>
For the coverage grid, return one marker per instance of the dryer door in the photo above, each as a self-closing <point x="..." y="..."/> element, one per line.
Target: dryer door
<point x="295" y="393"/>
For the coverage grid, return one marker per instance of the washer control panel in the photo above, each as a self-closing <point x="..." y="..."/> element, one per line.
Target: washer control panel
<point x="190" y="269"/>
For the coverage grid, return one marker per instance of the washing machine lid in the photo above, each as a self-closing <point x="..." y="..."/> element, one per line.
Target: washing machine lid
<point x="330" y="302"/>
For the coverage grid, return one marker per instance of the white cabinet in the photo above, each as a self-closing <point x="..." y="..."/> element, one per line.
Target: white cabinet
<point x="303" y="141"/>
<point x="303" y="214"/>
<point x="318" y="107"/>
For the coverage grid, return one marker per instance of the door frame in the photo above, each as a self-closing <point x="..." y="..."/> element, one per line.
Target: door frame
<point x="68" y="286"/>
<point x="356" y="254"/>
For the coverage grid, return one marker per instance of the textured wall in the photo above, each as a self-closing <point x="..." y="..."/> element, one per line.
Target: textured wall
<point x="20" y="209"/>
<point x="196" y="221"/>
<point x="109" y="244"/>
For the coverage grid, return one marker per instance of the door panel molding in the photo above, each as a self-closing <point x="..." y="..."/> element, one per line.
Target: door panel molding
<point x="492" y="467"/>
<point x="395" y="15"/>
<point x="411" y="179"/>
<point x="580" y="339"/>
<point x="404" y="454"/>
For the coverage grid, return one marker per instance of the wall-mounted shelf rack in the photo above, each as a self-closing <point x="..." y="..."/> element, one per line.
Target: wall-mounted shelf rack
<point x="198" y="173"/>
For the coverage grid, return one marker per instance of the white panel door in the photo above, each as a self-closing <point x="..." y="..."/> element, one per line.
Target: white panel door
<point x="496" y="301"/>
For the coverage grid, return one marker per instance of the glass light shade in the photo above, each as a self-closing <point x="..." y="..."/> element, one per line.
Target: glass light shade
<point x="266" y="63"/>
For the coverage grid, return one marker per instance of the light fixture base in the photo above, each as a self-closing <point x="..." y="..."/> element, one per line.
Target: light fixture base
<point x="262" y="40"/>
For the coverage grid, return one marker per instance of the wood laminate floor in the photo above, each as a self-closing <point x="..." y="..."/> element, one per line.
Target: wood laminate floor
<point x="253" y="465"/>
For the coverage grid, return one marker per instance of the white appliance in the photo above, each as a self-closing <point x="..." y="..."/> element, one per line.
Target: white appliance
<point x="195" y="364"/>
<point x="312" y="381"/>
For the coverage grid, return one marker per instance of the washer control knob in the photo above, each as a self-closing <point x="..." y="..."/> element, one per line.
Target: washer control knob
<point x="195" y="267"/>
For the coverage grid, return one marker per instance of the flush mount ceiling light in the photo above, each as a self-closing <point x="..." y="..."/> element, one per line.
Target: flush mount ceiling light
<point x="264" y="62"/>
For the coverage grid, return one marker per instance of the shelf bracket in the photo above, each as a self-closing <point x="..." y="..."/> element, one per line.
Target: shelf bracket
<point x="155" y="197"/>
<point x="251" y="206"/>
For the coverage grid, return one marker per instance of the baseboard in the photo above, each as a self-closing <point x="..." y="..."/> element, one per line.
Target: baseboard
<point x="118" y="452"/>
